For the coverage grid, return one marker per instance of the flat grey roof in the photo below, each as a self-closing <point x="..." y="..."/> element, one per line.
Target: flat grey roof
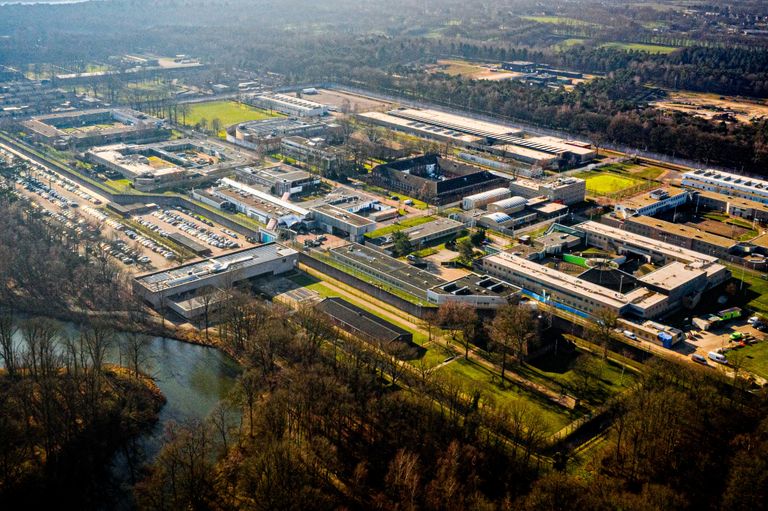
<point x="474" y="284"/>
<point x="168" y="279"/>
<point x="343" y="215"/>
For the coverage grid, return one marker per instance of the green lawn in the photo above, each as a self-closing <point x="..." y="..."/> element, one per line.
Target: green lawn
<point x="121" y="185"/>
<point x="754" y="293"/>
<point x="606" y="183"/>
<point x="560" y="372"/>
<point x="410" y="222"/>
<point x="228" y="112"/>
<point x="756" y="358"/>
<point x="648" y="48"/>
<point x="569" y="43"/>
<point x="559" y="20"/>
<point x="476" y="377"/>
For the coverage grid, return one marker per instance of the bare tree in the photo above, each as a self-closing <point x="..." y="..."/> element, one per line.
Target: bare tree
<point x="512" y="330"/>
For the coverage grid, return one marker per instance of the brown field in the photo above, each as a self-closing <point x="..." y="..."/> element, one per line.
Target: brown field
<point x="710" y="105"/>
<point x="720" y="228"/>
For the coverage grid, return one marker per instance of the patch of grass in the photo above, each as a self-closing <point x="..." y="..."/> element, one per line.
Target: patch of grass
<point x="647" y="48"/>
<point x="557" y="20"/>
<point x="228" y="112"/>
<point x="755" y="358"/>
<point x="426" y="252"/>
<point x="647" y="172"/>
<point x="476" y="377"/>
<point x="754" y="292"/>
<point x="604" y="184"/>
<point x="410" y="222"/>
<point x="119" y="185"/>
<point x="569" y="43"/>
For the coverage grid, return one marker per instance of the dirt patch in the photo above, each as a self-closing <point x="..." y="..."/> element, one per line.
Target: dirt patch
<point x="719" y="228"/>
<point x="712" y="106"/>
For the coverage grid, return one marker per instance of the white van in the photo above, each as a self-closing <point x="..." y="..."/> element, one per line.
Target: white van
<point x="630" y="335"/>
<point x="717" y="357"/>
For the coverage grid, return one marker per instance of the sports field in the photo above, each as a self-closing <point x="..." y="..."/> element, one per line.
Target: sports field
<point x="607" y="183"/>
<point x="227" y="112"/>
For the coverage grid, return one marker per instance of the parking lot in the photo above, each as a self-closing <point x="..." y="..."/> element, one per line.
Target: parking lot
<point x="218" y="239"/>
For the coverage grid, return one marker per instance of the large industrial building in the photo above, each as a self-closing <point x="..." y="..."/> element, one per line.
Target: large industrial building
<point x="434" y="179"/>
<point x="421" y="235"/>
<point x="165" y="287"/>
<point x="482" y="199"/>
<point x="289" y="105"/>
<point x="539" y="151"/>
<point x="567" y="190"/>
<point x="183" y="162"/>
<point x="441" y="126"/>
<point x="677" y="278"/>
<point x="389" y="271"/>
<point x="681" y="235"/>
<point x="280" y="179"/>
<point x="314" y="152"/>
<point x="735" y="206"/>
<point x="653" y="202"/>
<point x="95" y="127"/>
<point x="265" y="135"/>
<point x="253" y="203"/>
<point x="728" y="184"/>
<point x="339" y="221"/>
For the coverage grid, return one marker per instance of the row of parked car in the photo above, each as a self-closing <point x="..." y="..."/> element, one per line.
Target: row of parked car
<point x="120" y="250"/>
<point x="193" y="229"/>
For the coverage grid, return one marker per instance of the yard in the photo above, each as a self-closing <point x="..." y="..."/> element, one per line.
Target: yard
<point x="755" y="358"/>
<point x="754" y="293"/>
<point x="227" y="112"/>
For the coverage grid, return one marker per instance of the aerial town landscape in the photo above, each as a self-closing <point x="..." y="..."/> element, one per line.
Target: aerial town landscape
<point x="408" y="256"/>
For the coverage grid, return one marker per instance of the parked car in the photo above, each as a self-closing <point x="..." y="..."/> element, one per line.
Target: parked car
<point x="699" y="358"/>
<point x="629" y="335"/>
<point x="717" y="357"/>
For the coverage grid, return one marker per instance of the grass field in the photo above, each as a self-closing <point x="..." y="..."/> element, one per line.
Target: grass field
<point x="121" y="185"/>
<point x="559" y="20"/>
<point x="755" y="358"/>
<point x="606" y="183"/>
<point x="648" y="48"/>
<point x="228" y="112"/>
<point x="569" y="43"/>
<point x="754" y="293"/>
<point x="476" y="377"/>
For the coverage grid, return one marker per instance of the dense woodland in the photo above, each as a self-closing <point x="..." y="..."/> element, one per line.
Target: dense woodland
<point x="328" y="425"/>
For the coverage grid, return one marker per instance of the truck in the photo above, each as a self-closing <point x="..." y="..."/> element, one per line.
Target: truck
<point x="728" y="314"/>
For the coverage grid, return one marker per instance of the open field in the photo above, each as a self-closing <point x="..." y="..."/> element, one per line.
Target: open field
<point x="228" y="112"/>
<point x="709" y="105"/>
<point x="607" y="183"/>
<point x="472" y="70"/>
<point x="755" y="358"/>
<point x="570" y="42"/>
<point x="620" y="179"/>
<point x="558" y="20"/>
<point x="648" y="48"/>
<point x="754" y="292"/>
